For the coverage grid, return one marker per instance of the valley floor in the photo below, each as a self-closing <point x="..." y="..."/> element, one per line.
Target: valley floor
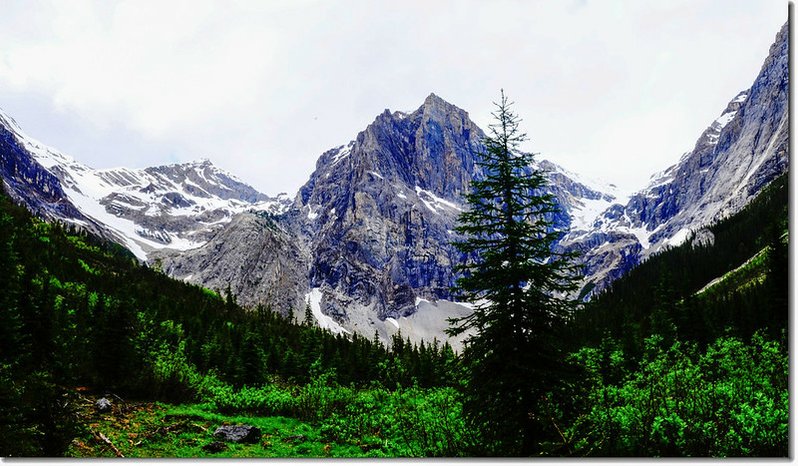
<point x="158" y="430"/>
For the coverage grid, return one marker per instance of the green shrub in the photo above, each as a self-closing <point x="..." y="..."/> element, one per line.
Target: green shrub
<point x="730" y="400"/>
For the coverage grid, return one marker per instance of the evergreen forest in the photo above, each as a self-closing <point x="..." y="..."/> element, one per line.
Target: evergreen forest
<point x="660" y="364"/>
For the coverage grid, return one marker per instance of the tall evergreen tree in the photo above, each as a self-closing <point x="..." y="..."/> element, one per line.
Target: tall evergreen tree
<point x="517" y="285"/>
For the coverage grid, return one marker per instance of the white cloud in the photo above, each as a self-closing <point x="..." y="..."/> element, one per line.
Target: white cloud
<point x="264" y="87"/>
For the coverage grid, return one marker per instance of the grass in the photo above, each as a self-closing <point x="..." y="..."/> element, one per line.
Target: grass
<point x="157" y="430"/>
<point x="751" y="272"/>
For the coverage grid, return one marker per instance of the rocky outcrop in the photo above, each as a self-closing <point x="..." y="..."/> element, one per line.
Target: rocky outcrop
<point x="238" y="434"/>
<point x="379" y="212"/>
<point x="740" y="152"/>
<point x="254" y="255"/>
<point x="27" y="181"/>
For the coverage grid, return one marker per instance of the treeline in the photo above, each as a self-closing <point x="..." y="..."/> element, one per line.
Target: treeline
<point x="672" y="367"/>
<point x="77" y="311"/>
<point x="657" y="365"/>
<point x="661" y="296"/>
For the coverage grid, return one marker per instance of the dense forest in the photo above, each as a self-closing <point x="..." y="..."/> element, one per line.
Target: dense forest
<point x="77" y="311"/>
<point x="686" y="355"/>
<point x="657" y="365"/>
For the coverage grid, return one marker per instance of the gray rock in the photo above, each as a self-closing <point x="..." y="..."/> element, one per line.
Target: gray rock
<point x="379" y="213"/>
<point x="238" y="434"/>
<point x="703" y="237"/>
<point x="742" y="151"/>
<point x="103" y="405"/>
<point x="256" y="256"/>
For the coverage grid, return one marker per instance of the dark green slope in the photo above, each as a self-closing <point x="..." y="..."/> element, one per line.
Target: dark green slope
<point x="75" y="311"/>
<point x="662" y="295"/>
<point x="686" y="355"/>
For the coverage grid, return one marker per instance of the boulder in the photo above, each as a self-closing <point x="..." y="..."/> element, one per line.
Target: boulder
<point x="103" y="405"/>
<point x="238" y="434"/>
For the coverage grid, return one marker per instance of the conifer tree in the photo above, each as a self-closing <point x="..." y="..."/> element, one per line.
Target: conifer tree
<point x="517" y="285"/>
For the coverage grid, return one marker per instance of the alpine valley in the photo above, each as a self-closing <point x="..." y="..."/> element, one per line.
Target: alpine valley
<point x="367" y="241"/>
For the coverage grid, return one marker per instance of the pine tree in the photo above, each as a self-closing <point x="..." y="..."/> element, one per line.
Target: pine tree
<point x="516" y="284"/>
<point x="308" y="320"/>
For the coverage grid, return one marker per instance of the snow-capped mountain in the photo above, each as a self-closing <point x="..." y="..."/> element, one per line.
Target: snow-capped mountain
<point x="367" y="241"/>
<point x="374" y="228"/>
<point x="178" y="207"/>
<point x="738" y="154"/>
<point x="28" y="182"/>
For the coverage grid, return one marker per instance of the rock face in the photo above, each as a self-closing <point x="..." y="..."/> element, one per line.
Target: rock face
<point x="26" y="180"/>
<point x="176" y="207"/>
<point x="238" y="434"/>
<point x="367" y="241"/>
<point x="369" y="236"/>
<point x="740" y="152"/>
<point x="378" y="213"/>
<point x="255" y="255"/>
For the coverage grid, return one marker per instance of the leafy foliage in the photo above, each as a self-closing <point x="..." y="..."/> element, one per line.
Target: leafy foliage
<point x="730" y="400"/>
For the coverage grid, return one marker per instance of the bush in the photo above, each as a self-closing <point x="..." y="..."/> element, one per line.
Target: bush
<point x="730" y="400"/>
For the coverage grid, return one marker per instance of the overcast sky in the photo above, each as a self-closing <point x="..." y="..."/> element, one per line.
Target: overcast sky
<point x="612" y="89"/>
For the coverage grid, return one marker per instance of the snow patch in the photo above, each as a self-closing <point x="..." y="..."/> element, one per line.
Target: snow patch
<point x="311" y="214"/>
<point x="314" y="300"/>
<point x="342" y="152"/>
<point x="392" y="321"/>
<point x="724" y="119"/>
<point x="584" y="215"/>
<point x="594" y="184"/>
<point x="678" y="238"/>
<point x="276" y="207"/>
<point x="642" y="235"/>
<point x="126" y="229"/>
<point x="433" y="202"/>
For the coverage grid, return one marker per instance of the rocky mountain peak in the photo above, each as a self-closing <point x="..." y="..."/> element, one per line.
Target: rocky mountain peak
<point x="739" y="153"/>
<point x="435" y="106"/>
<point x="368" y="239"/>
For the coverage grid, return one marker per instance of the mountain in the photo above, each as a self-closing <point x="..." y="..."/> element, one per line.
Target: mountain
<point x="177" y="207"/>
<point x="375" y="219"/>
<point x="366" y="243"/>
<point x="27" y="181"/>
<point x="373" y="228"/>
<point x="740" y="152"/>
<point x="256" y="256"/>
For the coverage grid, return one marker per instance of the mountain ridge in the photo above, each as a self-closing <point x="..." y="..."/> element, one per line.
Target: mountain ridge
<point x="367" y="239"/>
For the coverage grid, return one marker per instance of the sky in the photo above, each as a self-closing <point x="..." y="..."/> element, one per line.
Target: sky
<point x="612" y="90"/>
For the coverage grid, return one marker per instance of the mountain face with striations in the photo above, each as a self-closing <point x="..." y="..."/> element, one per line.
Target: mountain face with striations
<point x="374" y="228"/>
<point x="366" y="242"/>
<point x="374" y="221"/>
<point x="738" y="154"/>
